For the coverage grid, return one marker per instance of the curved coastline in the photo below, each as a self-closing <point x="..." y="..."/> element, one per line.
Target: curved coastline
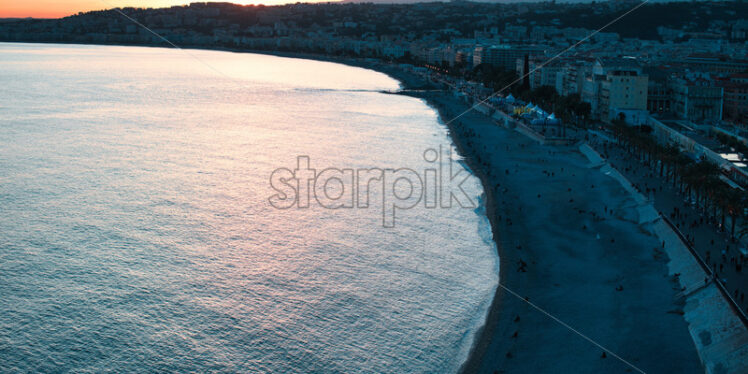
<point x="415" y="86"/>
<point x="407" y="82"/>
<point x="471" y="316"/>
<point x="657" y="313"/>
<point x="644" y="325"/>
<point x="493" y="338"/>
<point x="666" y="345"/>
<point x="484" y="334"/>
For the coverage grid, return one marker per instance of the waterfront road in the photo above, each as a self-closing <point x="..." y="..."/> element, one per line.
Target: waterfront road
<point x="710" y="242"/>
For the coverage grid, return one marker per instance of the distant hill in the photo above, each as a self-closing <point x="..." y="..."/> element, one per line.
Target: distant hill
<point x="2" y="20"/>
<point x="437" y="21"/>
<point x="491" y="1"/>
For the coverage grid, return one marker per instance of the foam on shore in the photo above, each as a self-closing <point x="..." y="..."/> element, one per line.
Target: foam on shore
<point x="575" y="261"/>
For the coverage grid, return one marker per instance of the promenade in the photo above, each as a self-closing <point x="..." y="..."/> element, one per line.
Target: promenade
<point x="713" y="245"/>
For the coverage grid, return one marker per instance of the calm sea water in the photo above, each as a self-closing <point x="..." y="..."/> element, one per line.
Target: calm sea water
<point x="136" y="233"/>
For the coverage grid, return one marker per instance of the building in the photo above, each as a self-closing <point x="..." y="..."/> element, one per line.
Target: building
<point x="514" y="32"/>
<point x="735" y="100"/>
<point x="541" y="71"/>
<point x="624" y="94"/>
<point x="696" y="98"/>
<point x="713" y="63"/>
<point x="504" y="56"/>
<point x="571" y="77"/>
<point x="659" y="97"/>
<point x="659" y="93"/>
<point x="478" y="55"/>
<point x="739" y="31"/>
<point x="394" y="50"/>
<point x="617" y="88"/>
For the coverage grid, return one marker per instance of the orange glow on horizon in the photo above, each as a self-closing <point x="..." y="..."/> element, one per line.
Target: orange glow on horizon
<point x="58" y="8"/>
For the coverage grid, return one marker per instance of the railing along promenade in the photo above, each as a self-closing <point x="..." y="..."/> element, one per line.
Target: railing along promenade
<point x="712" y="276"/>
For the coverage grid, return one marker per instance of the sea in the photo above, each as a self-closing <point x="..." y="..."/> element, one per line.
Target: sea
<point x="140" y="229"/>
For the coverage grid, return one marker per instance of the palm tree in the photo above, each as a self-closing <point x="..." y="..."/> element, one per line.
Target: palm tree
<point x="668" y="156"/>
<point x="701" y="177"/>
<point x="733" y="204"/>
<point x="682" y="164"/>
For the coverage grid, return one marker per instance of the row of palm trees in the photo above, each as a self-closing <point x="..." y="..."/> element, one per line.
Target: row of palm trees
<point x="698" y="180"/>
<point x="733" y="142"/>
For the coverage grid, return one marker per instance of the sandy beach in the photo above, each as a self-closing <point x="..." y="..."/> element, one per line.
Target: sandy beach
<point x="570" y="243"/>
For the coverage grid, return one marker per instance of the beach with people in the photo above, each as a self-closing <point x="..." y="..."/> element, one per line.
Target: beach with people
<point x="584" y="286"/>
<point x="571" y="244"/>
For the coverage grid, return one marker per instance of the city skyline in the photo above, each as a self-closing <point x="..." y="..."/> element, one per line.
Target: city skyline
<point x="58" y="9"/>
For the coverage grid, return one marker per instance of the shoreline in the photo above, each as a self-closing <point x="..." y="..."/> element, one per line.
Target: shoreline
<point x="407" y="80"/>
<point x="409" y="85"/>
<point x="484" y="334"/>
<point x="495" y="347"/>
<point x="494" y="337"/>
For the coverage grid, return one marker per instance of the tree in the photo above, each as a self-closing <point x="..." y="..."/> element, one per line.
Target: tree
<point x="733" y="202"/>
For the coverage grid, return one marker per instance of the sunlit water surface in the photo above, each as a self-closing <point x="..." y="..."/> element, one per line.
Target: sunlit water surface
<point x="136" y="233"/>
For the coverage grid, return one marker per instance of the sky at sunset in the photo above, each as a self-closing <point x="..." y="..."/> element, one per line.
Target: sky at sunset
<point x="62" y="8"/>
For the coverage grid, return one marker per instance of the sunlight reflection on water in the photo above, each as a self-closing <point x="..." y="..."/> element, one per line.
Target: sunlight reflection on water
<point x="137" y="235"/>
